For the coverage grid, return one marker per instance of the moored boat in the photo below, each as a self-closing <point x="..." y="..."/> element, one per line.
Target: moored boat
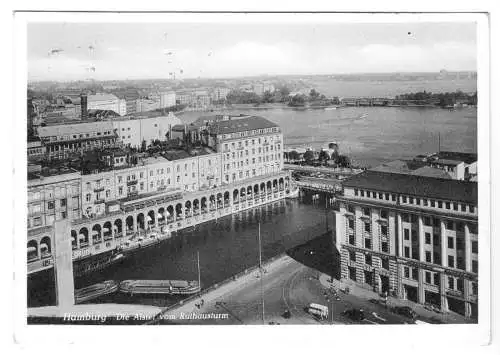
<point x="167" y="287"/>
<point x="96" y="263"/>
<point x="294" y="192"/>
<point x="97" y="290"/>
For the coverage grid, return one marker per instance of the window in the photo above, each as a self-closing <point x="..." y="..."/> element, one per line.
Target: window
<point x="451" y="283"/>
<point x="351" y="223"/>
<point x="385" y="247"/>
<point x="447" y="205"/>
<point x="437" y="258"/>
<point x="450" y="242"/>
<point x="368" y="243"/>
<point x="407" y="234"/>
<point x="451" y="261"/>
<point x="383" y="214"/>
<point x="425" y="202"/>
<point x="352" y="240"/>
<point x="368" y="194"/>
<point x="427" y="221"/>
<point x="383" y="230"/>
<point x="362" y="193"/>
<point x="440" y="204"/>
<point x="460" y="285"/>
<point x="367" y="227"/>
<point x="455" y="206"/>
<point x="394" y="197"/>
<point x="406" y="217"/>
<point x="407" y="272"/>
<point x="474" y="288"/>
<point x="352" y="256"/>
<point x="414" y="274"/>
<point x="474" y="247"/>
<point x="88" y="197"/>
<point x="368" y="259"/>
<point x="120" y="190"/>
<point x="474" y="266"/>
<point x="428" y="257"/>
<point x="404" y="199"/>
<point x="385" y="263"/>
<point x="437" y="280"/>
<point x="460" y="227"/>
<point x="428" y="277"/>
<point x="437" y="222"/>
<point x="387" y="196"/>
<point x="407" y="252"/>
<point x="356" y="192"/>
<point x="366" y="211"/>
<point x="411" y="200"/>
<point x="427" y="238"/>
<point x="63" y="202"/>
<point x="417" y="201"/>
<point x="433" y="203"/>
<point x="449" y="225"/>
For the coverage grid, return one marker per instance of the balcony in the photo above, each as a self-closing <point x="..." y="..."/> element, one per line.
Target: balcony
<point x="99" y="189"/>
<point x="99" y="201"/>
<point x="131" y="182"/>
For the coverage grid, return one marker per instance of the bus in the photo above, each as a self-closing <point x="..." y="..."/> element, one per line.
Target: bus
<point x="318" y="310"/>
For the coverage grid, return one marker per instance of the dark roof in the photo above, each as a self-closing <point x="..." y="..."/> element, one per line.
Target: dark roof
<point x="468" y="158"/>
<point x="415" y="185"/>
<point x="241" y="124"/>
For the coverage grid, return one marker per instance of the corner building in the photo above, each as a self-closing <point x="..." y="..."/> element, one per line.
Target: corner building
<point x="415" y="237"/>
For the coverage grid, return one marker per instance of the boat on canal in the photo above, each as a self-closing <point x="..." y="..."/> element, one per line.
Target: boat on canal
<point x="142" y="242"/>
<point x="96" y="263"/>
<point x="165" y="287"/>
<point x="96" y="290"/>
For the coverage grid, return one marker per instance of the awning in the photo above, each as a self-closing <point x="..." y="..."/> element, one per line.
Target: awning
<point x="44" y="246"/>
<point x="72" y="238"/>
<point x="160" y="216"/>
<point x="82" y="236"/>
<point x="167" y="213"/>
<point x="31" y="249"/>
<point x="106" y="230"/>
<point x="148" y="218"/>
<point x="94" y="233"/>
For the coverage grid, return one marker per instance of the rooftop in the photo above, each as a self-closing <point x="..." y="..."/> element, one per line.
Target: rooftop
<point x="247" y="123"/>
<point x="468" y="158"/>
<point x="75" y="128"/>
<point x="447" y="162"/>
<point x="415" y="185"/>
<point x="101" y="97"/>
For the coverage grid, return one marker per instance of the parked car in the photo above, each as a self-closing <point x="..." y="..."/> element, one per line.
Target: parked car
<point x="405" y="311"/>
<point x="354" y="314"/>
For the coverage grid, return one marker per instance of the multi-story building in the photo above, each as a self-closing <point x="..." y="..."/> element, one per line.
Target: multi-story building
<point x="220" y="93"/>
<point x="53" y="194"/>
<point x="102" y="101"/>
<point x="167" y="99"/>
<point x="187" y="187"/>
<point x="64" y="139"/>
<point x="250" y="146"/>
<point x="413" y="236"/>
<point x="146" y="105"/>
<point x="133" y="130"/>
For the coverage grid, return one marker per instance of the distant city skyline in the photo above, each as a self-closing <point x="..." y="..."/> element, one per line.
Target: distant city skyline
<point x="121" y="51"/>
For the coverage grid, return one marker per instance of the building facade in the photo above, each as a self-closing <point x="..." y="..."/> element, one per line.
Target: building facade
<point x="415" y="237"/>
<point x="250" y="146"/>
<point x="167" y="99"/>
<point x="102" y="101"/>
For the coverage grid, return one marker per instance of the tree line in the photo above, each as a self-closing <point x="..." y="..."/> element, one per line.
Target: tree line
<point x="440" y="99"/>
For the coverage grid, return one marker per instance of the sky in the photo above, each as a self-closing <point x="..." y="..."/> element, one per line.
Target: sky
<point x="119" y="51"/>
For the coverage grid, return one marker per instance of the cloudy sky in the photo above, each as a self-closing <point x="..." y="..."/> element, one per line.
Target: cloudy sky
<point x="153" y="50"/>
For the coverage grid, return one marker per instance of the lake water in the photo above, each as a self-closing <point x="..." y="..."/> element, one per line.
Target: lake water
<point x="226" y="246"/>
<point x="372" y="135"/>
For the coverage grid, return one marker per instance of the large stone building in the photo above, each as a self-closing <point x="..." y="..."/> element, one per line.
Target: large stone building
<point x="413" y="236"/>
<point x="61" y="140"/>
<point x="173" y="190"/>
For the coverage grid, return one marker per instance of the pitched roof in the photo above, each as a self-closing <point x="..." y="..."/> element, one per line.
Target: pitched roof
<point x="241" y="124"/>
<point x="75" y="128"/>
<point x="415" y="185"/>
<point x="431" y="172"/>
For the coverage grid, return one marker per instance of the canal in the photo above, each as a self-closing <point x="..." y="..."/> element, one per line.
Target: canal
<point x="226" y="246"/>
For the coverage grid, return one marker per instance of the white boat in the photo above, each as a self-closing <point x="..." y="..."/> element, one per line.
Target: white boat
<point x="330" y="108"/>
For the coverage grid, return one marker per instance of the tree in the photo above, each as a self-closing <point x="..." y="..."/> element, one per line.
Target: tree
<point x="297" y="100"/>
<point x="323" y="156"/>
<point x="284" y="91"/>
<point x="293" y="155"/>
<point x="267" y="97"/>
<point x="143" y="145"/>
<point x="343" y="161"/>
<point x="313" y="95"/>
<point x="309" y="156"/>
